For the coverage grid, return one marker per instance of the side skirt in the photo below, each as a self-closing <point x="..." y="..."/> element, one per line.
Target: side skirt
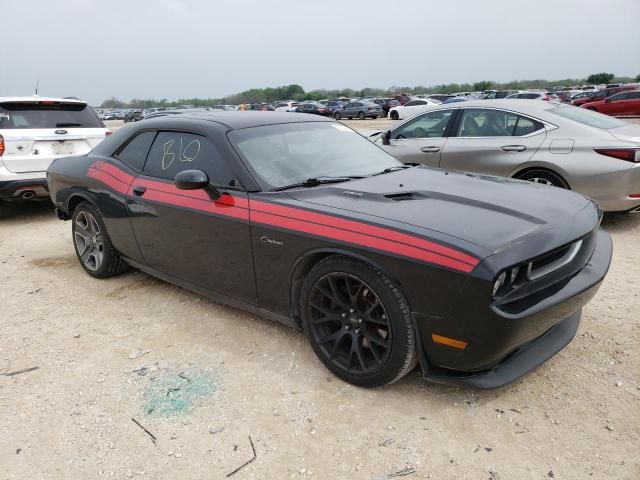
<point x="216" y="297"/>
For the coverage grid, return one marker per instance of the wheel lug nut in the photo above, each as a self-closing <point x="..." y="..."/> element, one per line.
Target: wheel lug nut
<point x="357" y="330"/>
<point x="351" y="310"/>
<point x="344" y="314"/>
<point x="346" y="327"/>
<point x="359" y="320"/>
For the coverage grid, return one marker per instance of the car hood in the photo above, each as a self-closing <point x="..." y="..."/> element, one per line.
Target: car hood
<point x="493" y="213"/>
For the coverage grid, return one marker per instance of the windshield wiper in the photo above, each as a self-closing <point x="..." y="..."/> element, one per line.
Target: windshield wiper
<point x="392" y="169"/>
<point x="315" y="181"/>
<point x="69" y="124"/>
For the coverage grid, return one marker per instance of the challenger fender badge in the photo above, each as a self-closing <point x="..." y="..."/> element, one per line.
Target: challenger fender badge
<point x="271" y="241"/>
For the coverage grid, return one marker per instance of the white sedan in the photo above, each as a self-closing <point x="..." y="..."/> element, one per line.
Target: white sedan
<point x="411" y="108"/>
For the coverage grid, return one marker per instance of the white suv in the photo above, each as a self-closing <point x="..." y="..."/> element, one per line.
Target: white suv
<point x="33" y="132"/>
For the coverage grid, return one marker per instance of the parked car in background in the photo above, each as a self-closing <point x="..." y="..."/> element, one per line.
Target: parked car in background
<point x="314" y="108"/>
<point x="602" y="94"/>
<point x="439" y="97"/>
<point x="34" y="131"/>
<point x="411" y="108"/>
<point x="304" y="221"/>
<point x="499" y="94"/>
<point x="335" y="105"/>
<point x="620" y="104"/>
<point x="285" y="106"/>
<point x="530" y="96"/>
<point x="386" y="104"/>
<point x="402" y="98"/>
<point x="359" y="110"/>
<point x="133" y="116"/>
<point x="543" y="142"/>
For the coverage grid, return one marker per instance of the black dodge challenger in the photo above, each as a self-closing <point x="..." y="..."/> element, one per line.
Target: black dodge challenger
<point x="302" y="220"/>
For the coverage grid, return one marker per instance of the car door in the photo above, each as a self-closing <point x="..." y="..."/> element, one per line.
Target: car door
<point x="614" y="105"/>
<point x="421" y="139"/>
<point x="632" y="104"/>
<point x="184" y="233"/>
<point x="491" y="141"/>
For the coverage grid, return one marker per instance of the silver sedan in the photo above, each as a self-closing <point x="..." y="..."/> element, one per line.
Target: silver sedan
<point x="554" y="144"/>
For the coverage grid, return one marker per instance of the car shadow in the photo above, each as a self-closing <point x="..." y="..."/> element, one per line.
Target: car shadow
<point x="620" y="222"/>
<point x="21" y="211"/>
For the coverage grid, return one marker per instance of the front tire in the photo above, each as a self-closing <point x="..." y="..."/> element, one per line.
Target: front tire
<point x="394" y="115"/>
<point x="546" y="177"/>
<point x="93" y="245"/>
<point x="358" y="322"/>
<point x="337" y="115"/>
<point x="361" y="116"/>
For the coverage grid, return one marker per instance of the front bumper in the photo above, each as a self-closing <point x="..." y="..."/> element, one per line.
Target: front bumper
<point x="504" y="346"/>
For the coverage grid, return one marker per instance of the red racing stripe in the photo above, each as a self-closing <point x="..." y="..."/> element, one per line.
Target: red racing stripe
<point x="360" y="227"/>
<point x="107" y="179"/>
<point x="358" y="239"/>
<point x="197" y="204"/>
<point x="290" y="218"/>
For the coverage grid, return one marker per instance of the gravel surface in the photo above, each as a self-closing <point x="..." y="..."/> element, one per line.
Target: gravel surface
<point x="203" y="379"/>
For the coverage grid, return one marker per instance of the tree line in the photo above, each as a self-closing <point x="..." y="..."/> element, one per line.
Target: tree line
<point x="296" y="92"/>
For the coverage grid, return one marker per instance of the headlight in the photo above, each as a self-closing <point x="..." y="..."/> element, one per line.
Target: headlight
<point x="506" y="280"/>
<point x="499" y="282"/>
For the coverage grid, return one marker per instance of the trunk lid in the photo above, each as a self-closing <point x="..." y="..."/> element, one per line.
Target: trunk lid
<point x="628" y="133"/>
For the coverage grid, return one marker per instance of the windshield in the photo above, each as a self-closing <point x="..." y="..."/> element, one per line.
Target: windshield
<point x="47" y="115"/>
<point x="587" y="117"/>
<point x="291" y="153"/>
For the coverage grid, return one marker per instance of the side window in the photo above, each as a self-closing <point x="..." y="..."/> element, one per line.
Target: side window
<point x="173" y="152"/>
<point x="429" y="125"/>
<point x="633" y="95"/>
<point x="619" y="96"/>
<point x="495" y="123"/>
<point x="525" y="126"/>
<point x="135" y="152"/>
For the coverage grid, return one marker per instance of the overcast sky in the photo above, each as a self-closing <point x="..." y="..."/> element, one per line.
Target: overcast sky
<point x="197" y="48"/>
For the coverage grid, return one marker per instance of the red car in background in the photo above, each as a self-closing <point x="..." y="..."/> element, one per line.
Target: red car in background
<point x="602" y="94"/>
<point x="623" y="103"/>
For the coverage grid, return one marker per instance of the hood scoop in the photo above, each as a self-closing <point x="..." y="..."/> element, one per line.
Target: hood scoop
<point x="402" y="196"/>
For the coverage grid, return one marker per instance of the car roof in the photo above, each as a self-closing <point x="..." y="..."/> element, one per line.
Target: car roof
<point x="35" y="98"/>
<point x="247" y="119"/>
<point x="506" y="104"/>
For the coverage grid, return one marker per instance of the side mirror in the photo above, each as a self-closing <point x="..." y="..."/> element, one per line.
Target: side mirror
<point x="386" y="137"/>
<point x="195" y="180"/>
<point x="607" y="100"/>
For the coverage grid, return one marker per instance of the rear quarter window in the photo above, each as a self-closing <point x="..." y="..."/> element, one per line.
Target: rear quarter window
<point x="46" y="115"/>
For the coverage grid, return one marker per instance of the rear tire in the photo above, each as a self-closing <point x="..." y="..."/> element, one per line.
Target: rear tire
<point x="337" y="115"/>
<point x="546" y="177"/>
<point x="358" y="322"/>
<point x="394" y="115"/>
<point x="92" y="243"/>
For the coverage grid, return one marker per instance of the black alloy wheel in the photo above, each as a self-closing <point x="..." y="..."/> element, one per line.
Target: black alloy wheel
<point x="358" y="322"/>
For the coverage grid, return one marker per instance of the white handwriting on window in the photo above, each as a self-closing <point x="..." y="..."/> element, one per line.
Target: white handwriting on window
<point x="186" y="153"/>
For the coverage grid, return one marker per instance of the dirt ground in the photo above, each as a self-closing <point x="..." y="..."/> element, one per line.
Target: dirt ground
<point x="207" y="380"/>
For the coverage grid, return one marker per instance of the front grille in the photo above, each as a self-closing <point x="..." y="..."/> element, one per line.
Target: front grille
<point x="553" y="260"/>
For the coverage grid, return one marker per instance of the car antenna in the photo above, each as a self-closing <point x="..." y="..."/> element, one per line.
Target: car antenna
<point x="37" y="85"/>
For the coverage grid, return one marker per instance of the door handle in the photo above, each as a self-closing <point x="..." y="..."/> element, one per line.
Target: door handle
<point x="513" y="148"/>
<point x="430" y="149"/>
<point x="139" y="190"/>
